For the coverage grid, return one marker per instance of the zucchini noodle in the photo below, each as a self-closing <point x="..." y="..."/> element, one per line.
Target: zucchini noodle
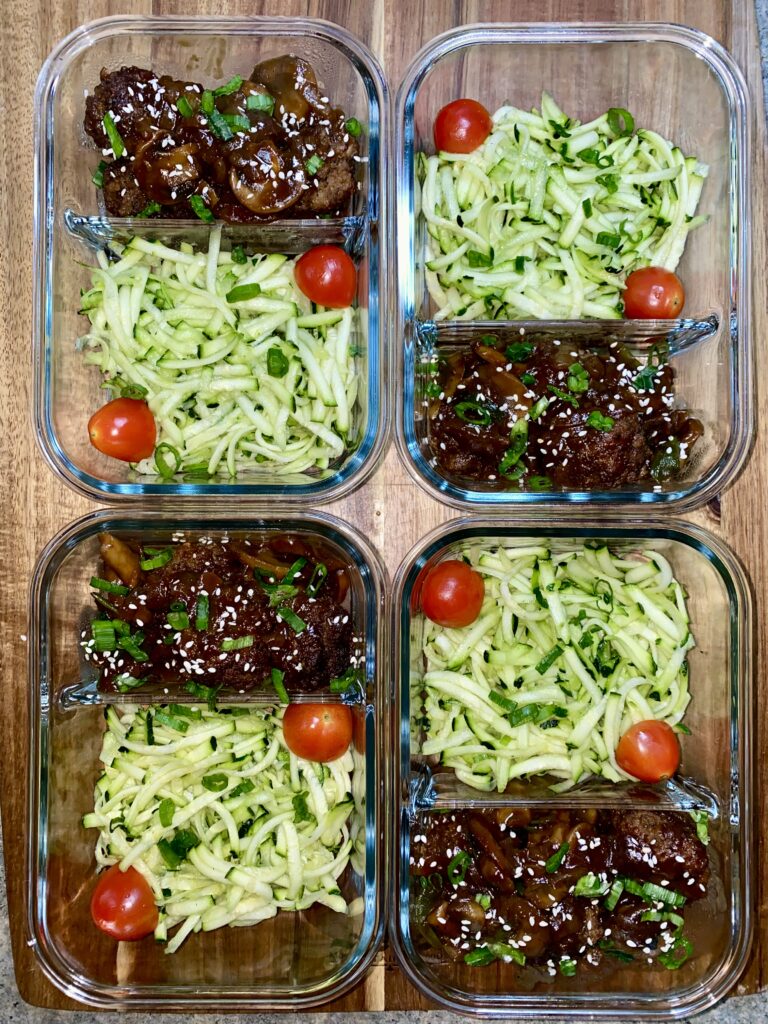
<point x="546" y="218"/>
<point x="238" y="368"/>
<point x="224" y="822"/>
<point x="569" y="650"/>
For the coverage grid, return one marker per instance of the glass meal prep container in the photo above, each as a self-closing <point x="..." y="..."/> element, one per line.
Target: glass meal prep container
<point x="705" y="110"/>
<point x="295" y="960"/>
<point x="71" y="227"/>
<point x="716" y="777"/>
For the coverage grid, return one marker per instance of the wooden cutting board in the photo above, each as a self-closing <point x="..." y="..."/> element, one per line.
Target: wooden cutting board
<point x="390" y="509"/>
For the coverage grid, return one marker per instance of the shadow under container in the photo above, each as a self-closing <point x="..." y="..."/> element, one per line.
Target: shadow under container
<point x="71" y="227"/>
<point x="718" y="777"/>
<point x="295" y="960"/>
<point x="704" y="108"/>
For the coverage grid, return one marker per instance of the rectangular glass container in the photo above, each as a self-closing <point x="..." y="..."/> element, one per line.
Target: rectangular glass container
<point x="70" y="228"/>
<point x="705" y="109"/>
<point x="292" y="961"/>
<point x="717" y="777"/>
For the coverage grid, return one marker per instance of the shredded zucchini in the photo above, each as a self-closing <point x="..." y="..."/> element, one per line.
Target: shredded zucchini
<point x="569" y="650"/>
<point x="238" y="369"/>
<point x="548" y="216"/>
<point x="225" y="823"/>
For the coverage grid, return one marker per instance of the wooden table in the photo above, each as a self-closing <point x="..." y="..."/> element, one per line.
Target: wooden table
<point x="390" y="509"/>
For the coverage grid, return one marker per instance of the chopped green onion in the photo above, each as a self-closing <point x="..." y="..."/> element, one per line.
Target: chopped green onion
<point x="206" y="693"/>
<point x="702" y="826"/>
<point x="596" y="158"/>
<point x="158" y="560"/>
<point x="473" y="412"/>
<point x="237" y="643"/>
<point x="298" y="625"/>
<point x="479" y="957"/>
<point x="229" y="87"/>
<point x="151" y="208"/>
<point x="557" y="858"/>
<point x="483" y="899"/>
<point x="618" y="954"/>
<point x="564" y="396"/>
<point x="202" y="609"/>
<point x="132" y="646"/>
<point x="659" y="894"/>
<point x="540" y="483"/>
<point x="614" y="894"/>
<point x="260" y="101"/>
<point x="578" y="378"/>
<point x="503" y="951"/>
<point x="200" y="209"/>
<point x="98" y="175"/>
<point x="277" y="682"/>
<point x="621" y="122"/>
<point x="518" y="441"/>
<point x="567" y="968"/>
<point x="108" y="587"/>
<point x="675" y="957"/>
<point x="343" y="682"/>
<point x="538" y="408"/>
<point x="169" y="855"/>
<point x="608" y="239"/>
<point x="238" y="254"/>
<point x="666" y="462"/>
<point x="353" y="127"/>
<point x="237" y="122"/>
<point x="103" y="633"/>
<point x="318" y="578"/>
<point x="115" y="138"/>
<point x="314" y="164"/>
<point x="549" y="659"/>
<point x="597" y="421"/>
<point x="243" y="292"/>
<point x="207" y="102"/>
<point x="215" y="783"/>
<point x="167" y="811"/>
<point x="645" y="379"/>
<point x="665" y="915"/>
<point x="519" y="351"/>
<point x="164" y="468"/>
<point x="294" y="570"/>
<point x="457" y="867"/>
<point x="178" y="620"/>
<point x="184" y="107"/>
<point x="125" y="682"/>
<point x="610" y="182"/>
<point x="246" y="786"/>
<point x="590" y="885"/>
<point x="277" y="362"/>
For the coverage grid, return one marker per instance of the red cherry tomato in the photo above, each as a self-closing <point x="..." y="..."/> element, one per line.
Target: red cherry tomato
<point x="124" y="429"/>
<point x="122" y="904"/>
<point x="462" y="126"/>
<point x="318" y="732"/>
<point x="650" y="751"/>
<point x="452" y="594"/>
<point x="327" y="276"/>
<point x="653" y="293"/>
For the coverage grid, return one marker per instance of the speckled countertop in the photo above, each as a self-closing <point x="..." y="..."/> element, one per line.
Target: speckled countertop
<point x="741" y="1010"/>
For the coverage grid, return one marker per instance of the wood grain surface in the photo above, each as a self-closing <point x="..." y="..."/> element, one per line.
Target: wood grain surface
<point x="390" y="509"/>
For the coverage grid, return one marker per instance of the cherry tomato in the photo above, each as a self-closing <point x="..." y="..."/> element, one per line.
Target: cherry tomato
<point x="327" y="276"/>
<point x="650" y="751"/>
<point x="452" y="594"/>
<point x="653" y="293"/>
<point x="318" y="732"/>
<point x="124" y="429"/>
<point x="122" y="904"/>
<point x="462" y="126"/>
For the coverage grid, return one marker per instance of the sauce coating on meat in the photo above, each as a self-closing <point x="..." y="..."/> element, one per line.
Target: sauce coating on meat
<point x="255" y="149"/>
<point x="548" y="414"/>
<point x="222" y="614"/>
<point x="556" y="889"/>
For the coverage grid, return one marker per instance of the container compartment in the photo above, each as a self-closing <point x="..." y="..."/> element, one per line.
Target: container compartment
<point x="71" y="227"/>
<point x="587" y="69"/>
<point x="296" y="959"/>
<point x="716" y="776"/>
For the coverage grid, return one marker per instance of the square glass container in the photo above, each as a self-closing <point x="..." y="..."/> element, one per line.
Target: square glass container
<point x="705" y="109"/>
<point x="70" y="228"/>
<point x="717" y="777"/>
<point x="293" y="961"/>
